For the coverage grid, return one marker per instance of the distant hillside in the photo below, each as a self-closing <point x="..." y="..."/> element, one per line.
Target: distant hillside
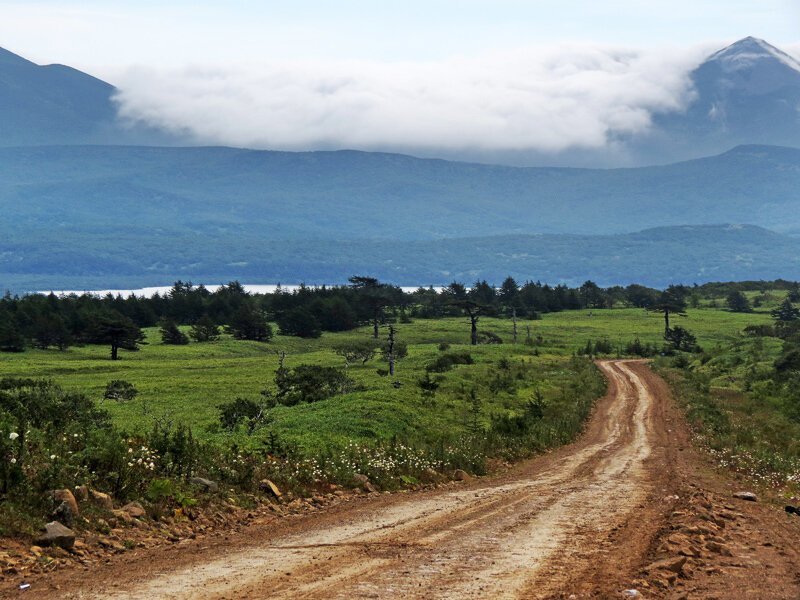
<point x="689" y="254"/>
<point x="56" y="104"/>
<point x="152" y="194"/>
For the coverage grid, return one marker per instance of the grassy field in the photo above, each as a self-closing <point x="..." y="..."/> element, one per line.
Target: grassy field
<point x="187" y="383"/>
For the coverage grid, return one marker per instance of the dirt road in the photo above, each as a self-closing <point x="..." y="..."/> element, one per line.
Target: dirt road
<point x="584" y="520"/>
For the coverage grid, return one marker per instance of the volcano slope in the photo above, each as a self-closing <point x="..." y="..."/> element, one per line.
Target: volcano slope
<point x="629" y="505"/>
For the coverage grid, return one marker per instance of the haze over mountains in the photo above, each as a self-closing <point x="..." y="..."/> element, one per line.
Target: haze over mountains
<point x="113" y="214"/>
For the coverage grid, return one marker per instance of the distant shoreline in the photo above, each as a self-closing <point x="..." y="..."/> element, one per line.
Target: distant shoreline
<point x="148" y="292"/>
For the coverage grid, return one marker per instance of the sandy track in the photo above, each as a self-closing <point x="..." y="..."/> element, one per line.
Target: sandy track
<point x="527" y="534"/>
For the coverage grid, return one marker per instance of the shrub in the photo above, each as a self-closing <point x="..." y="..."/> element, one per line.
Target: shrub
<point x="311" y="383"/>
<point x="242" y="412"/>
<point x="361" y="350"/>
<point x="120" y="390"/>
<point x="447" y="361"/>
<point x="487" y="337"/>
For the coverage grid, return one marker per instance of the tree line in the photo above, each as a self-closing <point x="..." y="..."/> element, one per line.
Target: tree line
<point x="50" y="321"/>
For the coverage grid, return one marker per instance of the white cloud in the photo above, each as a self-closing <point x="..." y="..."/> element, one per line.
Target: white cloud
<point x="547" y="99"/>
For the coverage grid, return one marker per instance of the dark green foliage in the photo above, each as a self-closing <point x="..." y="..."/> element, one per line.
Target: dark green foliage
<point x="598" y="347"/>
<point x="789" y="360"/>
<point x="311" y="383"/>
<point x="682" y="339"/>
<point x="636" y="348"/>
<point x="242" y="411"/>
<point x="361" y="350"/>
<point x="120" y="391"/>
<point x="48" y="330"/>
<point x="786" y="312"/>
<point x="205" y="330"/>
<point x="760" y="330"/>
<point x="171" y="335"/>
<point x="447" y="361"/>
<point x="489" y="337"/>
<point x="399" y="350"/>
<point x="116" y="330"/>
<point x="443" y="347"/>
<point x="428" y="385"/>
<point x="299" y="322"/>
<point x="11" y="339"/>
<point x="249" y="323"/>
<point x="738" y="302"/>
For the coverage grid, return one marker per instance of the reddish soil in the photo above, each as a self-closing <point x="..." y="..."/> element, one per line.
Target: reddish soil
<point x="630" y="506"/>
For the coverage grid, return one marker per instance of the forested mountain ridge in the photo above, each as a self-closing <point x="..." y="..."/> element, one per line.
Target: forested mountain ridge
<point x="358" y="195"/>
<point x="657" y="257"/>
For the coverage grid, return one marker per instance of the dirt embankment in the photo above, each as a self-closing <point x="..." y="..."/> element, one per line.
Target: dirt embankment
<point x="628" y="506"/>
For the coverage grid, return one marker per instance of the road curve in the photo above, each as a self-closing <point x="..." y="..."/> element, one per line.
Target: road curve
<point x="547" y="527"/>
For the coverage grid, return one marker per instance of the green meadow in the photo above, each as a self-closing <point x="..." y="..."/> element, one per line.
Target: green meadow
<point x="186" y="384"/>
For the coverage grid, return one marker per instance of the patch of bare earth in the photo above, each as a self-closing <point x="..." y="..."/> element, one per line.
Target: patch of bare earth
<point x="628" y="506"/>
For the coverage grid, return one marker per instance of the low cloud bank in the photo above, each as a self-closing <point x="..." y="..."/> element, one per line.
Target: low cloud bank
<point x="543" y="99"/>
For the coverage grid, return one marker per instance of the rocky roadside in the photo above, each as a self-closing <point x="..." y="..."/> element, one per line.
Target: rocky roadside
<point x="720" y="545"/>
<point x="90" y="528"/>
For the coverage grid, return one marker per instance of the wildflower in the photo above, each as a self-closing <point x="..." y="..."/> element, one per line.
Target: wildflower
<point x="52" y="457"/>
<point x="13" y="461"/>
<point x="13" y="435"/>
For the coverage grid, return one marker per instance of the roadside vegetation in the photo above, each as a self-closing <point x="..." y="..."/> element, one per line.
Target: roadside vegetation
<point x="743" y="397"/>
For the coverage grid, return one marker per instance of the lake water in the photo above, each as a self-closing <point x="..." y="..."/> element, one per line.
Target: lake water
<point x="148" y="292"/>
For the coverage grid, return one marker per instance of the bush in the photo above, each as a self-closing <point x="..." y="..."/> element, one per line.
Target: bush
<point x="362" y="351"/>
<point x="120" y="390"/>
<point x="636" y="348"/>
<point x="447" y="361"/>
<point x="311" y="383"/>
<point x="487" y="337"/>
<point x="444" y="347"/>
<point x="242" y="412"/>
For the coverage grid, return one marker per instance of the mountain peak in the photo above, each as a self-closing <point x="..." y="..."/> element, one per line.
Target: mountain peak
<point x="748" y="52"/>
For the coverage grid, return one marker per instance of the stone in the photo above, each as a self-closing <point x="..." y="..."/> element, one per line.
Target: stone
<point x="122" y="515"/>
<point x="206" y="484"/>
<point x="430" y="475"/>
<point x="81" y="493"/>
<point x="718" y="548"/>
<point x="134" y="509"/>
<point x="668" y="564"/>
<point x="461" y="475"/>
<point x="749" y="496"/>
<point x="63" y="514"/>
<point x="267" y="486"/>
<point x="101" y="499"/>
<point x="56" y="534"/>
<point x="67" y="496"/>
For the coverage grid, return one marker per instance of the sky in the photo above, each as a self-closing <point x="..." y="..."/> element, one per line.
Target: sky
<point x="505" y="74"/>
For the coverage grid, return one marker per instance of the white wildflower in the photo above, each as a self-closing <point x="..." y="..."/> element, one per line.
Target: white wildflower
<point x="13" y="435"/>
